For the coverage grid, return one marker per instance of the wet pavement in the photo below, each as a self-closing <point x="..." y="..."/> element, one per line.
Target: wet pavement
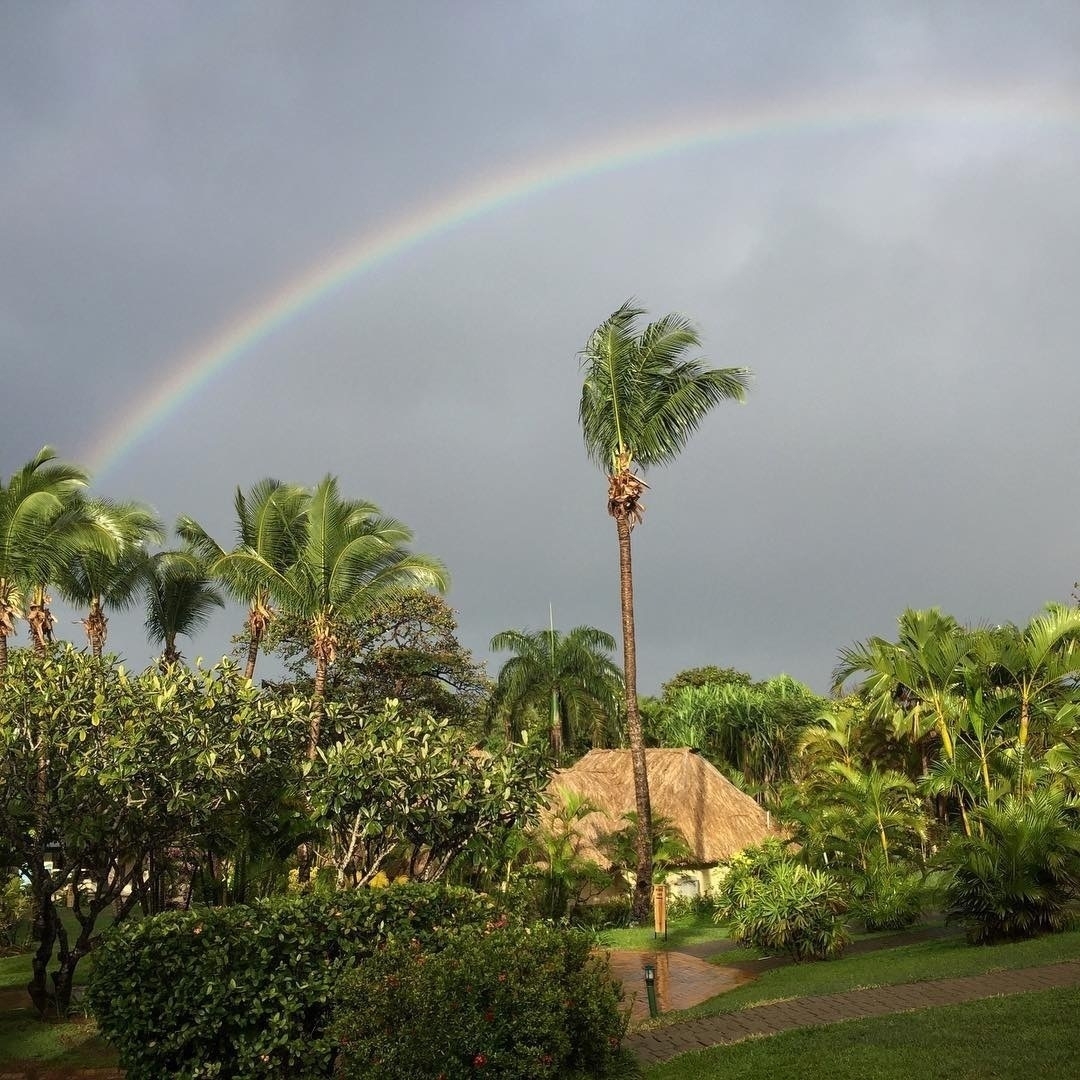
<point x="681" y="980"/>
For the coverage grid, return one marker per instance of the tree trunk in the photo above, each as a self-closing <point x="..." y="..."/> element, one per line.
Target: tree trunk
<point x="96" y="626"/>
<point x="642" y="902"/>
<point x="3" y="650"/>
<point x="254" y="641"/>
<point x="318" y="699"/>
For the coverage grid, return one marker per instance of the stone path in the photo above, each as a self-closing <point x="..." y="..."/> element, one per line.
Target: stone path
<point x="681" y="1038"/>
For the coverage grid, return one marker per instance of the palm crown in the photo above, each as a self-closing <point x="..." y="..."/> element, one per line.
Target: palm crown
<point x="641" y="398"/>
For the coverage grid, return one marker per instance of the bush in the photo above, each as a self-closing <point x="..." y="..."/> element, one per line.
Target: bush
<point x="516" y="1003"/>
<point x="604" y="914"/>
<point x="244" y="992"/>
<point x="14" y="907"/>
<point x="773" y="902"/>
<point x="1021" y="876"/>
<point x="889" y="898"/>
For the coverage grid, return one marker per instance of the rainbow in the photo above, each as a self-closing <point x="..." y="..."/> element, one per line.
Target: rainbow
<point x="995" y="106"/>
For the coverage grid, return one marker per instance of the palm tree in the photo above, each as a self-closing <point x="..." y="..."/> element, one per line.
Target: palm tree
<point x="44" y="523"/>
<point x="97" y="580"/>
<point x="180" y="598"/>
<point x="640" y="402"/>
<point x="569" y="675"/>
<point x="349" y="558"/>
<point x="1035" y="667"/>
<point x="269" y="521"/>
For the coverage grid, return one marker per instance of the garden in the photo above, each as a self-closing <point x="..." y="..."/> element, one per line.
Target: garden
<point x="365" y="866"/>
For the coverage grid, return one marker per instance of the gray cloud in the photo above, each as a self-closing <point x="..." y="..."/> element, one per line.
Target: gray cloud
<point x="903" y="290"/>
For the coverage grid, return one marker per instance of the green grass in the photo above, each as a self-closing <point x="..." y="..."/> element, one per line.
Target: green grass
<point x="1010" y="1038"/>
<point x="691" y="930"/>
<point x="25" y="1039"/>
<point x="942" y="959"/>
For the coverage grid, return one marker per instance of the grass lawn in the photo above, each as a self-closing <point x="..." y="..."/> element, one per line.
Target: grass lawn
<point x="941" y="959"/>
<point x="1010" y="1038"/>
<point x="25" y="1039"/>
<point x="691" y="930"/>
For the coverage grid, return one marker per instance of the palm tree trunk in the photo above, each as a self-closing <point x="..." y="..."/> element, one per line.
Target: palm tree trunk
<point x="643" y="840"/>
<point x="3" y="650"/>
<point x="96" y="626"/>
<point x="254" y="641"/>
<point x="318" y="700"/>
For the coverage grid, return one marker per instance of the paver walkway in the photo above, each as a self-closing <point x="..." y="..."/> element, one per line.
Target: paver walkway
<point x="681" y="1038"/>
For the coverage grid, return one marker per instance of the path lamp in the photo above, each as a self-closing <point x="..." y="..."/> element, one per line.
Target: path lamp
<point x="650" y="991"/>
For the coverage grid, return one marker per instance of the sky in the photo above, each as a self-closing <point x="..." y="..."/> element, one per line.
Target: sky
<point x="242" y="240"/>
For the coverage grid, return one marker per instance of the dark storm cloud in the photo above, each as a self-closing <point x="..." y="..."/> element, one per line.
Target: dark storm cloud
<point x="903" y="292"/>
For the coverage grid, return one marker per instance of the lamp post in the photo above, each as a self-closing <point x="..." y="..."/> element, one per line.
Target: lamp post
<point x="650" y="991"/>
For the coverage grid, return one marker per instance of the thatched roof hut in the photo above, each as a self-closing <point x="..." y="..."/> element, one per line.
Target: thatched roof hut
<point x="716" y="819"/>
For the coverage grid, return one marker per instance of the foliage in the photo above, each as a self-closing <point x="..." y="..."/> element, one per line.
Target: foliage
<point x="565" y="878"/>
<point x="180" y="598"/>
<point x="570" y="677"/>
<point x="1019" y="874"/>
<point x="412" y="793"/>
<point x="669" y="846"/>
<point x="889" y="896"/>
<point x="753" y="728"/>
<point x="45" y="522"/>
<point x="512" y="1003"/>
<point x="102" y="773"/>
<point x="405" y="648"/>
<point x="14" y="907"/>
<point x="773" y="902"/>
<point x="269" y="521"/>
<point x="245" y="992"/>
<point x="702" y="676"/>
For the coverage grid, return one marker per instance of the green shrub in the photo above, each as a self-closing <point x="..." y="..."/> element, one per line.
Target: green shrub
<point x="604" y="914"/>
<point x="889" y="898"/>
<point x="514" y="1003"/>
<point x="773" y="902"/>
<point x="14" y="907"/>
<point x="244" y="992"/>
<point x="1019" y="874"/>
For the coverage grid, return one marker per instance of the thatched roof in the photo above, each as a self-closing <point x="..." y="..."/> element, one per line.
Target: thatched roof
<point x="716" y="819"/>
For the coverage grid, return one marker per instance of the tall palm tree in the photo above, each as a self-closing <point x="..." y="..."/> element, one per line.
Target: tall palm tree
<point x="571" y="675"/>
<point x="349" y="558"/>
<point x="44" y="523"/>
<point x="641" y="401"/>
<point x="180" y="598"/>
<point x="98" y="580"/>
<point x="269" y="521"/>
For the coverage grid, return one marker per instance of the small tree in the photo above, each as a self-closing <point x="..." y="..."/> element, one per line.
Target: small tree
<point x="414" y="791"/>
<point x="101" y="772"/>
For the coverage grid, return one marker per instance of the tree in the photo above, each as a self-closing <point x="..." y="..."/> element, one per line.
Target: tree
<point x="101" y="772"/>
<point x="570" y="676"/>
<point x="412" y="789"/>
<point x="640" y="402"/>
<point x="1035" y="667"/>
<point x="270" y="522"/>
<point x="180" y="598"/>
<point x="99" y="580"/>
<point x="405" y="648"/>
<point x="703" y="676"/>
<point x="44" y="523"/>
<point x="349" y="559"/>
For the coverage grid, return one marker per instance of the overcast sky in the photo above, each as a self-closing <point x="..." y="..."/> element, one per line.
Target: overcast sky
<point x="894" y="250"/>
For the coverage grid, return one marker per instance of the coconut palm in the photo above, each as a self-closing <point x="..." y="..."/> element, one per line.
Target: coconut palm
<point x="180" y="598"/>
<point x="640" y="402"/>
<point x="44" y="523"/>
<point x="570" y="676"/>
<point x="349" y="558"/>
<point x="269" y="521"/>
<point x="98" y="580"/>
